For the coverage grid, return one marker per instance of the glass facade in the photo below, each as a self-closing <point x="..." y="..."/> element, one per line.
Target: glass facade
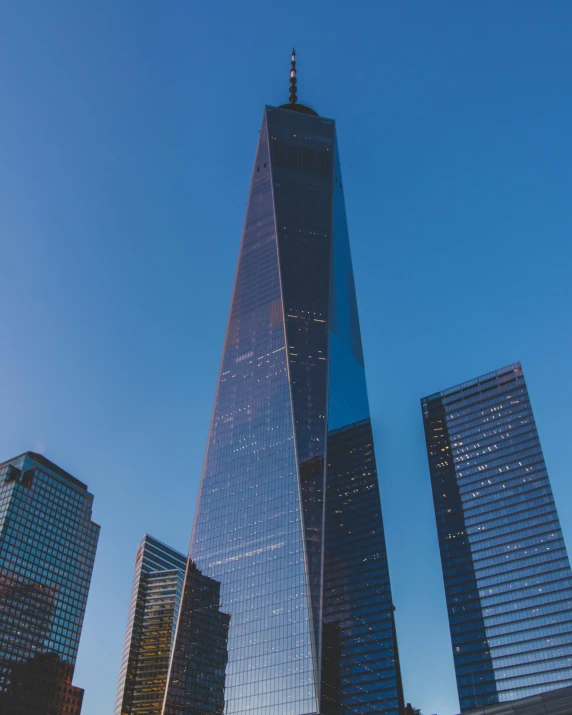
<point x="288" y="522"/>
<point x="151" y="624"/>
<point x="507" y="577"/>
<point x="47" y="550"/>
<point x="554" y="702"/>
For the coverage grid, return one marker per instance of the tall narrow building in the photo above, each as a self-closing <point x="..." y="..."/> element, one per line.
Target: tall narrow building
<point x="288" y="519"/>
<point x="507" y="577"/>
<point x="47" y="549"/>
<point x="151" y="623"/>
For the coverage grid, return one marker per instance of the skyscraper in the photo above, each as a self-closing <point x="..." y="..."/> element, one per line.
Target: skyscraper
<point x="288" y="519"/>
<point x="151" y="623"/>
<point x="47" y="550"/>
<point x="507" y="578"/>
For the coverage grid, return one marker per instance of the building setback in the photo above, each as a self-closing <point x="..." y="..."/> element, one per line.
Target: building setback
<point x="47" y="550"/>
<point x="288" y="520"/>
<point x="151" y="623"/>
<point x="507" y="577"/>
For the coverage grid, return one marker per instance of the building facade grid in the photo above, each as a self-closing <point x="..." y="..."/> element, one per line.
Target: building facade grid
<point x="507" y="576"/>
<point x="151" y="623"/>
<point x="47" y="550"/>
<point x="290" y="461"/>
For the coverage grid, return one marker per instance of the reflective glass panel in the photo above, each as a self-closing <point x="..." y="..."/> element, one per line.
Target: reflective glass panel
<point x="306" y="591"/>
<point x="506" y="571"/>
<point x="47" y="551"/>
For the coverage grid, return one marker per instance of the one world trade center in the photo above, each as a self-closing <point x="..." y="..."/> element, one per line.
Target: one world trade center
<point x="287" y="607"/>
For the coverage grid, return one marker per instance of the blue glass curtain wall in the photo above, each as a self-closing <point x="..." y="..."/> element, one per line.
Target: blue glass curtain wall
<point x="310" y="626"/>
<point x="506" y="571"/>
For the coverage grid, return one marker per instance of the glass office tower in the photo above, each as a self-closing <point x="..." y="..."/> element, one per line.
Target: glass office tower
<point x="151" y="623"/>
<point x="507" y="578"/>
<point x="47" y="550"/>
<point x="288" y="520"/>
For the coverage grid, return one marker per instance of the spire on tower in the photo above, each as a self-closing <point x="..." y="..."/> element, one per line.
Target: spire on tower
<point x="293" y="87"/>
<point x="293" y="101"/>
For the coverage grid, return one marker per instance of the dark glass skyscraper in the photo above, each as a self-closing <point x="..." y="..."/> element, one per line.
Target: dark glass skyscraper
<point x="47" y="550"/>
<point x="151" y="623"/>
<point x="288" y="520"/>
<point x="507" y="577"/>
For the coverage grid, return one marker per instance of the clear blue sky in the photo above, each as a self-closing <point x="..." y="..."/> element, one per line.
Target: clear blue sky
<point x="128" y="132"/>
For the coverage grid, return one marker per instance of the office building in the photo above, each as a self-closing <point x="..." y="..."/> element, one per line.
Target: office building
<point x="288" y="521"/>
<point x="507" y="577"/>
<point x="554" y="702"/>
<point x="151" y="623"/>
<point x="47" y="550"/>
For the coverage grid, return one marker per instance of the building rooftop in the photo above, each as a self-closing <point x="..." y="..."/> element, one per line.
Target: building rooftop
<point x="45" y="462"/>
<point x="475" y="381"/>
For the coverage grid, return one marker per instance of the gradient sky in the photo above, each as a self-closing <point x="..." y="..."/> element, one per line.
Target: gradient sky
<point x="127" y="135"/>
